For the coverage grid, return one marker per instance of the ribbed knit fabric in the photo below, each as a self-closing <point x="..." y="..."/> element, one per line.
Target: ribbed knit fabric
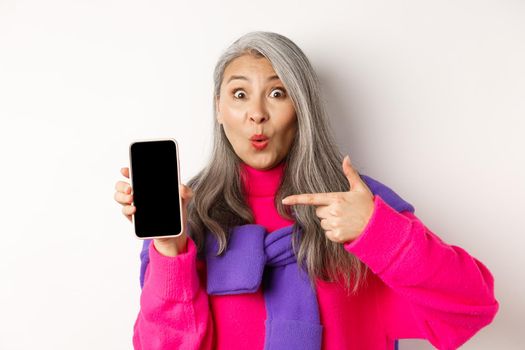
<point x="419" y="287"/>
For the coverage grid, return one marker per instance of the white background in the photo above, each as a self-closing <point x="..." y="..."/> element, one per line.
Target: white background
<point x="427" y="96"/>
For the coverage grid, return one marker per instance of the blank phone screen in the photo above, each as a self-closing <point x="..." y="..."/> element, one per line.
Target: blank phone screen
<point x="155" y="183"/>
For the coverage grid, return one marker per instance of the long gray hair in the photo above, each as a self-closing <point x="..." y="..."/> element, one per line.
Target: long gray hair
<point x="312" y="165"/>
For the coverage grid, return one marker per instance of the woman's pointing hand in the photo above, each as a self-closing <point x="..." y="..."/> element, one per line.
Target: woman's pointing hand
<point x="343" y="215"/>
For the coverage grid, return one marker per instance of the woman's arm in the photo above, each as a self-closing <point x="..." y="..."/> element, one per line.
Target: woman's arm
<point x="174" y="310"/>
<point x="435" y="291"/>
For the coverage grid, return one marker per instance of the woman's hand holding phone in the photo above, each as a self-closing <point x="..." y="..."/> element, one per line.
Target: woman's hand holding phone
<point x="169" y="246"/>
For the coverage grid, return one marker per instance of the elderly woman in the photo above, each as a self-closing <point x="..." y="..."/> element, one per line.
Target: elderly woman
<point x="286" y="245"/>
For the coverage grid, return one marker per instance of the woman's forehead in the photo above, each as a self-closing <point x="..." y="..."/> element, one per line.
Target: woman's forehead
<point x="247" y="66"/>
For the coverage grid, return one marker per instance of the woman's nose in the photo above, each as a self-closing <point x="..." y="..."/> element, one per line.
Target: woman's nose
<point x="258" y="112"/>
<point x="258" y="118"/>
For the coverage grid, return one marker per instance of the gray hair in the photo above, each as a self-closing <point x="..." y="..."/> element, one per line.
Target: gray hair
<point x="312" y="165"/>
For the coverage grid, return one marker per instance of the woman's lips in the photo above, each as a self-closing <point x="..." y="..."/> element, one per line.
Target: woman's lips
<point x="259" y="145"/>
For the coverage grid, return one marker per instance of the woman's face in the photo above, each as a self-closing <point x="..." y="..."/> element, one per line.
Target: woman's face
<point x="253" y="101"/>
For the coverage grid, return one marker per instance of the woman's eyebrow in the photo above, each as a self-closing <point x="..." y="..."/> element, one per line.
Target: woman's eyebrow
<point x="242" y="77"/>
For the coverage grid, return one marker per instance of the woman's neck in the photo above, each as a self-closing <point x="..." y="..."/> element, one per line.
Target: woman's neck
<point x="261" y="183"/>
<point x="261" y="187"/>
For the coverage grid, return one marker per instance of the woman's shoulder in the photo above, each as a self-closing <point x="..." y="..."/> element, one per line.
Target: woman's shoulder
<point x="387" y="194"/>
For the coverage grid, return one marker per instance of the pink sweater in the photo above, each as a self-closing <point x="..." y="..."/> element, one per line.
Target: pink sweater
<point x="419" y="287"/>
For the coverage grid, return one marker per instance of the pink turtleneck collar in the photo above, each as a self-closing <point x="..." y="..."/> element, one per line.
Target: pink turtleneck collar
<point x="261" y="187"/>
<point x="262" y="183"/>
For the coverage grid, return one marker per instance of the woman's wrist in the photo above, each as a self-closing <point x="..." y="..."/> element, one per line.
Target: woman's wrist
<point x="172" y="247"/>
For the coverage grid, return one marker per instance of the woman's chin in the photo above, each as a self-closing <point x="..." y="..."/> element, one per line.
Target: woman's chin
<point x="261" y="163"/>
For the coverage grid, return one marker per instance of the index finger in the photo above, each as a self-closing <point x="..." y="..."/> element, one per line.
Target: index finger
<point x="310" y="199"/>
<point x="125" y="172"/>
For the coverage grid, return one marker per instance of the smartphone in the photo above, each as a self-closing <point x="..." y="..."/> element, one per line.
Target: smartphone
<point x="155" y="178"/>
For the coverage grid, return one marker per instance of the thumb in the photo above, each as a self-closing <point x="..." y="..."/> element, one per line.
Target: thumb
<point x="186" y="193"/>
<point x="353" y="177"/>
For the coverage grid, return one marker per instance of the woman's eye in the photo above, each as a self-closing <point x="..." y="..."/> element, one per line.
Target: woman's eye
<point x="238" y="94"/>
<point x="277" y="93"/>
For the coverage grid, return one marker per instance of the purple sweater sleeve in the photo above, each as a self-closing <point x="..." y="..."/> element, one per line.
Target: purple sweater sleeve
<point x="174" y="310"/>
<point x="433" y="290"/>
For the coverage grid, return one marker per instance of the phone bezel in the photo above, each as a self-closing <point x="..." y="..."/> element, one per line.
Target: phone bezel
<point x="178" y="179"/>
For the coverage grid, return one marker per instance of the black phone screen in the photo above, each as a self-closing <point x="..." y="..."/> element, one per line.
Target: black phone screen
<point x="155" y="183"/>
